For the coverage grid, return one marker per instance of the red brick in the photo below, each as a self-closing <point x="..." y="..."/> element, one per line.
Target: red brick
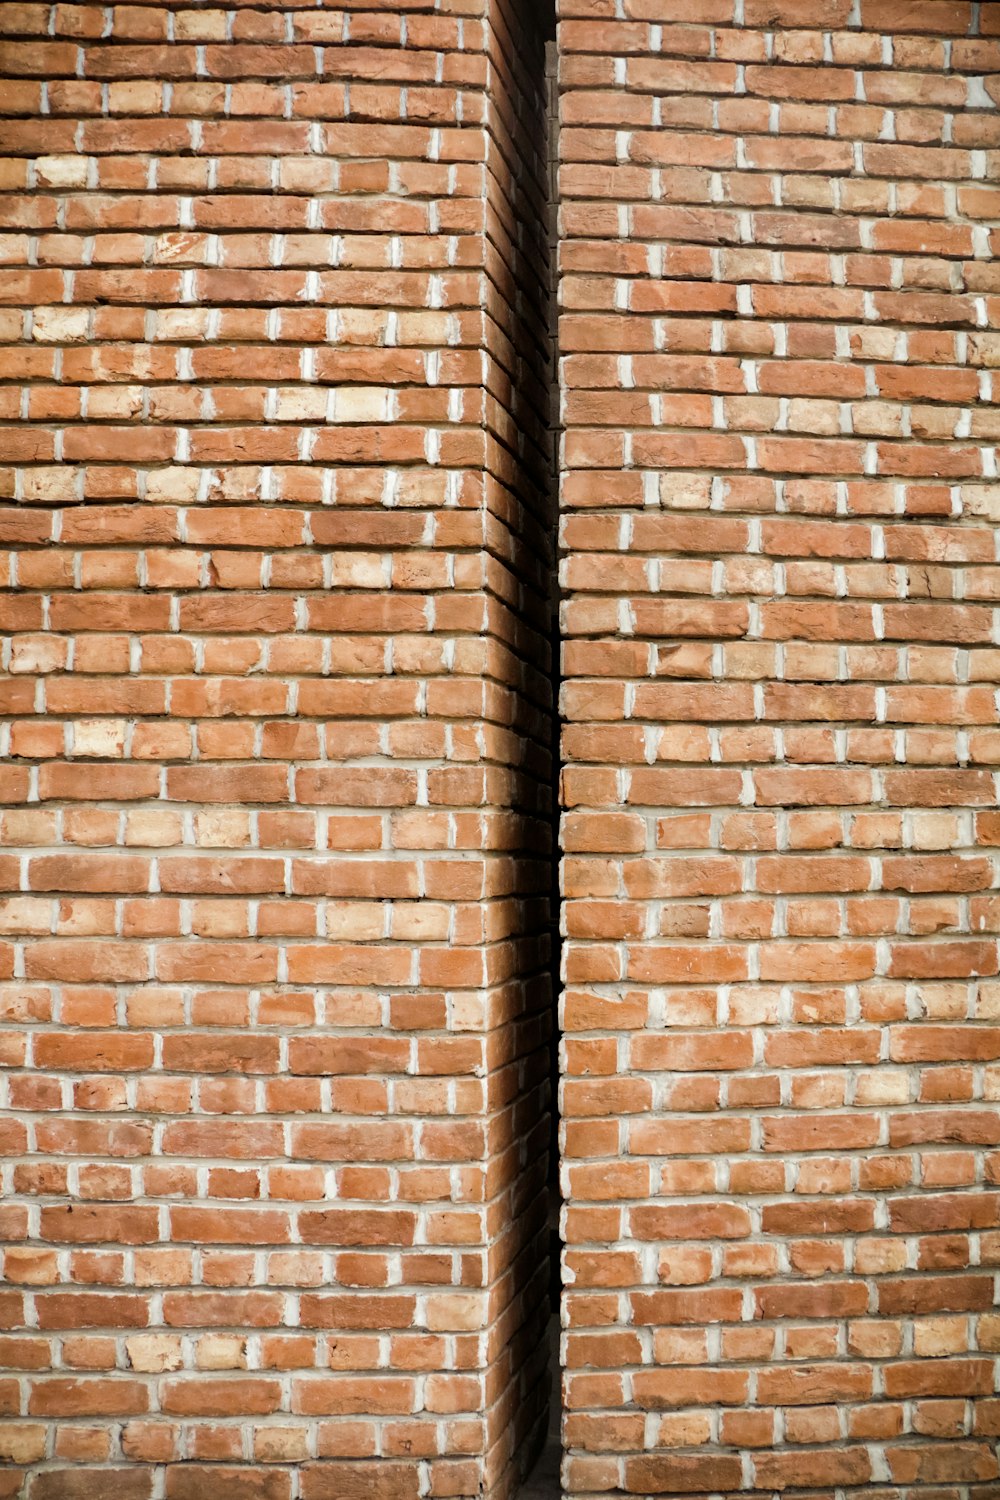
<point x="281" y="544"/>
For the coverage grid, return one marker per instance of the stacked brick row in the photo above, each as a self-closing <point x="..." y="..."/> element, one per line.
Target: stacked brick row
<point x="273" y="931"/>
<point x="780" y="324"/>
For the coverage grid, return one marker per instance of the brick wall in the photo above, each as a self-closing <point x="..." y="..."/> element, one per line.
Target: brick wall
<point x="276" y="1010"/>
<point x="275" y="937"/>
<point x="779" y="326"/>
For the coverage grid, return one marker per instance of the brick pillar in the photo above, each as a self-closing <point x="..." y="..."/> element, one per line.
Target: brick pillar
<point x="779" y="325"/>
<point x="275" y="999"/>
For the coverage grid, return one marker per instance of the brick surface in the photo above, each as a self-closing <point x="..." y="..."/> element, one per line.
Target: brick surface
<point x="275" y="917"/>
<point x="275" y="923"/>
<point x="778" y="334"/>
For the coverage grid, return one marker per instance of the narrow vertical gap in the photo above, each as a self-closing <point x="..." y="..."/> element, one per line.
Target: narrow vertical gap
<point x="521" y="511"/>
<point x="543" y="1481"/>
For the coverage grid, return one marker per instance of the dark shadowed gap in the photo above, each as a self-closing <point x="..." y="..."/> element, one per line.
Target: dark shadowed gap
<point x="543" y="1481"/>
<point x="520" y="417"/>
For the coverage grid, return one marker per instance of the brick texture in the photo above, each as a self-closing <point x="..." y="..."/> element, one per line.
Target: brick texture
<point x="779" y="328"/>
<point x="275" y="928"/>
<point x="275" y="718"/>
